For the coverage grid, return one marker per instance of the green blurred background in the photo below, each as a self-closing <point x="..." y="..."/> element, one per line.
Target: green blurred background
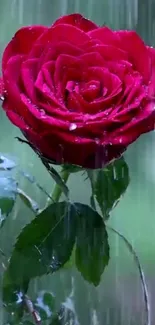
<point x="118" y="300"/>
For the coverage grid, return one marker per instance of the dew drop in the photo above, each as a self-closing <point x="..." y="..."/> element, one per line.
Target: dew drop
<point x="42" y="112"/>
<point x="97" y="140"/>
<point x="29" y="101"/>
<point x="78" y="140"/>
<point x="72" y="127"/>
<point x="106" y="113"/>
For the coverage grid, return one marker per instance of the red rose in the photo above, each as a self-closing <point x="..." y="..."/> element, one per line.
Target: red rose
<point x="80" y="93"/>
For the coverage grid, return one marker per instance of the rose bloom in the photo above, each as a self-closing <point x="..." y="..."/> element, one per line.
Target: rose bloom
<point x="80" y="93"/>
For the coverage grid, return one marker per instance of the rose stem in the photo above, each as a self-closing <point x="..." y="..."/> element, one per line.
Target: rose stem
<point x="57" y="189"/>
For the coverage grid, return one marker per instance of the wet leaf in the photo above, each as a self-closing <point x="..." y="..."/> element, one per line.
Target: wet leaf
<point x="13" y="293"/>
<point x="45" y="244"/>
<point x="13" y="300"/>
<point x="56" y="321"/>
<point x="92" y="249"/>
<point x="30" y="203"/>
<point x="8" y="192"/>
<point x="6" y="163"/>
<point x="48" y="300"/>
<point x="109" y="184"/>
<point x="45" y="305"/>
<point x="64" y="316"/>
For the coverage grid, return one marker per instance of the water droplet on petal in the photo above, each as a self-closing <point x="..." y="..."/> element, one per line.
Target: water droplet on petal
<point x="72" y="127"/>
<point x="106" y="113"/>
<point x="78" y="140"/>
<point x="42" y="112"/>
<point x="97" y="140"/>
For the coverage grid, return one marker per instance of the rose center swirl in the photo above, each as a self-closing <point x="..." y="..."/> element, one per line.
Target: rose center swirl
<point x="90" y="90"/>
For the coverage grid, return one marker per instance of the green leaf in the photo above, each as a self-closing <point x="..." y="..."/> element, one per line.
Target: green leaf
<point x="92" y="249"/>
<point x="13" y="293"/>
<point x="109" y="184"/>
<point x="13" y="299"/>
<point x="6" y="163"/>
<point x="30" y="203"/>
<point x="48" y="299"/>
<point x="45" y="305"/>
<point x="45" y="244"/>
<point x="8" y="192"/>
<point x="56" y="321"/>
<point x="64" y="316"/>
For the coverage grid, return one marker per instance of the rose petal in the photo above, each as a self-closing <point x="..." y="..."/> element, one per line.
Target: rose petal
<point x="133" y="88"/>
<point x="52" y="52"/>
<point x="120" y="68"/>
<point x="14" y="89"/>
<point x="12" y="83"/>
<point x="46" y="120"/>
<point x="2" y="87"/>
<point x="92" y="59"/>
<point x="76" y="103"/>
<point x="89" y="44"/>
<point x="107" y="79"/>
<point x="70" y="67"/>
<point x="141" y="123"/>
<point x="105" y="35"/>
<point x="62" y="147"/>
<point x="91" y="90"/>
<point x="109" y="52"/>
<point x="29" y="72"/>
<point x="151" y="90"/>
<point x="113" y="84"/>
<point x="17" y="120"/>
<point x="36" y="51"/>
<point x="77" y="20"/>
<point x="22" y="42"/>
<point x="75" y="116"/>
<point x="63" y="32"/>
<point x="137" y="51"/>
<point x="48" y="73"/>
<point x="47" y="94"/>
